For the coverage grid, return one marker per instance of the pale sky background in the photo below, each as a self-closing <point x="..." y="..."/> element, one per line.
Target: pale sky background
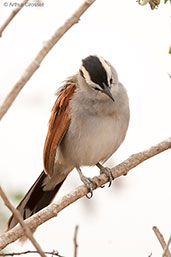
<point x="118" y="221"/>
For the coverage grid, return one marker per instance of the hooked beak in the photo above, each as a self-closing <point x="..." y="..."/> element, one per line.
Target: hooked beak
<point x="106" y="91"/>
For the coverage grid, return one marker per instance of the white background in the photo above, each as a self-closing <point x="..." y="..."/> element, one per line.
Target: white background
<point x="118" y="221"/>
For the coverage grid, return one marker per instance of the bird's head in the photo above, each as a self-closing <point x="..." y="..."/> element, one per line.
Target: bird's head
<point x="99" y="75"/>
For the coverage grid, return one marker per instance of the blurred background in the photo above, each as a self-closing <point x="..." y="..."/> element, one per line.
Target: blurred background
<point x="117" y="221"/>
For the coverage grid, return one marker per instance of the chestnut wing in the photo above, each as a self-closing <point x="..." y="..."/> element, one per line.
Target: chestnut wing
<point x="58" y="125"/>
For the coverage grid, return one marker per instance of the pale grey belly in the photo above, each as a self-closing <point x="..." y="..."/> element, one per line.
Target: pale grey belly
<point x="91" y="141"/>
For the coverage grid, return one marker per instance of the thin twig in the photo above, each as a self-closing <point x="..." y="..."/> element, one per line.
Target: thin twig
<point x="12" y="15"/>
<point x="167" y="248"/>
<point x="53" y="209"/>
<point x="75" y="241"/>
<point x="53" y="253"/>
<point x="159" y="236"/>
<point x="161" y="240"/>
<point x="18" y="216"/>
<point x="35" y="64"/>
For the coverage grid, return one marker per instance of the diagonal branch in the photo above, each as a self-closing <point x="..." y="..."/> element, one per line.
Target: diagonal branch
<point x="26" y="229"/>
<point x="166" y="249"/>
<point x="53" y="209"/>
<point x="35" y="64"/>
<point x="162" y="242"/>
<point x="12" y="15"/>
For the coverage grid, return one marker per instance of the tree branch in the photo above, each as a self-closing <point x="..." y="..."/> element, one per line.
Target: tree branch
<point x="162" y="242"/>
<point x="166" y="249"/>
<point x="35" y="64"/>
<point x="12" y="15"/>
<point x="75" y="241"/>
<point x="26" y="229"/>
<point x="53" y="253"/>
<point x="53" y="209"/>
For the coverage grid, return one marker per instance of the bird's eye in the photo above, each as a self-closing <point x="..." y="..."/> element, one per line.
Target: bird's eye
<point x="111" y="81"/>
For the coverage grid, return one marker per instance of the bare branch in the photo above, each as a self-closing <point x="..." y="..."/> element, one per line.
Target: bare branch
<point x="75" y="241"/>
<point x="162" y="241"/>
<point x="35" y="64"/>
<point x="12" y="15"/>
<point x="18" y="216"/>
<point x="166" y="249"/>
<point x="53" y="253"/>
<point x="159" y="237"/>
<point x="53" y="209"/>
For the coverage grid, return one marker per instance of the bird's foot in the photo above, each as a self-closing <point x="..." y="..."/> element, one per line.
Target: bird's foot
<point x="107" y="171"/>
<point x="88" y="182"/>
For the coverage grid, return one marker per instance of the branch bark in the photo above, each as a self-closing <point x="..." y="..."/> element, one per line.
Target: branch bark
<point x="27" y="231"/>
<point x="12" y="15"/>
<point x="162" y="242"/>
<point x="166" y="249"/>
<point x="53" y="209"/>
<point x="53" y="253"/>
<point x="35" y="64"/>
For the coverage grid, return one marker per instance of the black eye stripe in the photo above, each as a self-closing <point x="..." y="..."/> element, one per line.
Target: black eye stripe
<point x="96" y="88"/>
<point x="82" y="74"/>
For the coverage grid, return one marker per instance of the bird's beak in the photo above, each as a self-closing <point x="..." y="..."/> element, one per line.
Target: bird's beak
<point x="106" y="91"/>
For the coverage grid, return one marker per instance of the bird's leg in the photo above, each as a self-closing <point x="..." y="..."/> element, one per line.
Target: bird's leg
<point x="88" y="182"/>
<point x="106" y="171"/>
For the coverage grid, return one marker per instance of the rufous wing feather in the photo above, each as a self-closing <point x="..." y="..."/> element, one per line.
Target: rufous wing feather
<point x="58" y="125"/>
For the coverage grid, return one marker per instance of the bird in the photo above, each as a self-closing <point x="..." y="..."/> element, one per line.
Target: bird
<point x="88" y="123"/>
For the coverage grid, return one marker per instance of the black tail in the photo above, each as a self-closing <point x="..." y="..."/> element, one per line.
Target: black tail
<point x="35" y="200"/>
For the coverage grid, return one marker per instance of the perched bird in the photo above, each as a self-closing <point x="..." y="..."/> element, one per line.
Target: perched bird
<point x="88" y="123"/>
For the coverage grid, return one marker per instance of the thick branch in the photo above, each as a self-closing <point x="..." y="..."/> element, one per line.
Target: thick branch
<point x="26" y="229"/>
<point x="53" y="209"/>
<point x="12" y="15"/>
<point x="35" y="64"/>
